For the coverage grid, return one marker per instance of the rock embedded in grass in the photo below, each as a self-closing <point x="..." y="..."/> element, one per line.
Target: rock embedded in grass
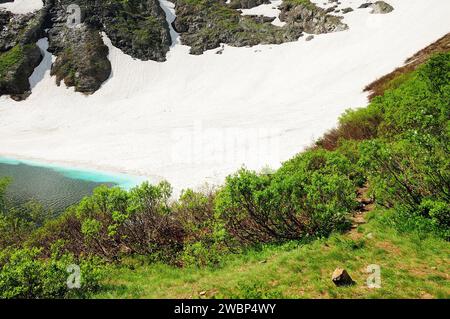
<point x="341" y="278"/>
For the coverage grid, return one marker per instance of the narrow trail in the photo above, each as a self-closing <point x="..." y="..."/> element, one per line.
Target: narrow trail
<point x="358" y="217"/>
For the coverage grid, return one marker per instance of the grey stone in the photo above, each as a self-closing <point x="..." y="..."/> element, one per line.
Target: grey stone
<point x="341" y="277"/>
<point x="381" y="7"/>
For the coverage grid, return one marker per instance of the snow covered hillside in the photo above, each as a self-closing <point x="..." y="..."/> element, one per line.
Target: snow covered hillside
<point x="22" y="6"/>
<point x="196" y="119"/>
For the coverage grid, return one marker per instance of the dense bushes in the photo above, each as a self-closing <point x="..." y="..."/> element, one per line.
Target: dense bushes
<point x="408" y="166"/>
<point x="400" y="143"/>
<point x="359" y="124"/>
<point x="3" y="185"/>
<point x="310" y="195"/>
<point x="113" y="221"/>
<point x="24" y="275"/>
<point x="18" y="222"/>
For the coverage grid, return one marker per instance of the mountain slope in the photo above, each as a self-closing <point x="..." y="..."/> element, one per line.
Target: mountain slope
<point x="171" y="120"/>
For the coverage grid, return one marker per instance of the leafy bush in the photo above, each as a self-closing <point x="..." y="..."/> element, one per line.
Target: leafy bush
<point x="205" y="238"/>
<point x="24" y="275"/>
<point x="309" y="196"/>
<point x="4" y="182"/>
<point x="421" y="104"/>
<point x="359" y="124"/>
<point x="18" y="222"/>
<point x="113" y="222"/>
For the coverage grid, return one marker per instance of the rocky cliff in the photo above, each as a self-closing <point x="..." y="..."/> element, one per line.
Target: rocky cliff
<point x="19" y="54"/>
<point x="139" y="28"/>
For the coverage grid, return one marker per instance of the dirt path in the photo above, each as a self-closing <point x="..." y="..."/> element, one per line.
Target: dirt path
<point x="358" y="218"/>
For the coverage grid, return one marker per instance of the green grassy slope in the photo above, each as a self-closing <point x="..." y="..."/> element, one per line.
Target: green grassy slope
<point x="411" y="267"/>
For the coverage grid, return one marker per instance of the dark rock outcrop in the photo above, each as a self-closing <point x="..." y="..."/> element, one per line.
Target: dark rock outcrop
<point x="347" y="10"/>
<point x="204" y="25"/>
<point x="365" y="5"/>
<point x="246" y="4"/>
<point x="19" y="54"/>
<point x="137" y="27"/>
<point x="82" y="57"/>
<point x="310" y="18"/>
<point x="14" y="77"/>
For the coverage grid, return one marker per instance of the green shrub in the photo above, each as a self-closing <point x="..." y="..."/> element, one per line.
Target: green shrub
<point x="4" y="182"/>
<point x="113" y="222"/>
<point x="310" y="195"/>
<point x="408" y="166"/>
<point x="421" y="104"/>
<point x="24" y="275"/>
<point x="357" y="125"/>
<point x="18" y="222"/>
<point x="205" y="238"/>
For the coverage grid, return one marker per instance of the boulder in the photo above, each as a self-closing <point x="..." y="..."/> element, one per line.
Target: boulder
<point x="381" y="7"/>
<point x="365" y="5"/>
<point x="347" y="10"/>
<point x="341" y="277"/>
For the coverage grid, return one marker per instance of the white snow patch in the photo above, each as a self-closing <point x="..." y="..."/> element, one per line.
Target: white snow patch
<point x="269" y="10"/>
<point x="44" y="67"/>
<point x="169" y="10"/>
<point x="169" y="120"/>
<point x="22" y="6"/>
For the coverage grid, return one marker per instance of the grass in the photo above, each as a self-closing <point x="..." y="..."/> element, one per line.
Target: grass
<point x="10" y="58"/>
<point x="411" y="267"/>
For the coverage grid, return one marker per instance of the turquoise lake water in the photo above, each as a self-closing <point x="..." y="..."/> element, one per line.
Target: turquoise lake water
<point x="56" y="187"/>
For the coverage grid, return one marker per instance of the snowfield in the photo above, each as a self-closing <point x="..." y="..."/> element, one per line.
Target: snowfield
<point x="22" y="6"/>
<point x="196" y="119"/>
